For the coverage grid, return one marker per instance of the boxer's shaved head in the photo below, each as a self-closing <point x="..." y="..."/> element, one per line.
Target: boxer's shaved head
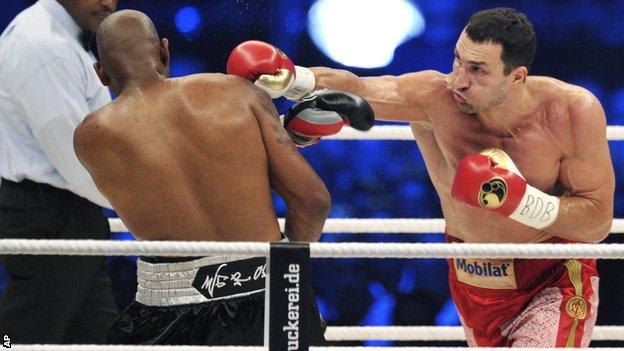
<point x="129" y="47"/>
<point x="127" y="34"/>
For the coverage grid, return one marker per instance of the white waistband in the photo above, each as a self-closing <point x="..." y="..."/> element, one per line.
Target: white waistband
<point x="171" y="283"/>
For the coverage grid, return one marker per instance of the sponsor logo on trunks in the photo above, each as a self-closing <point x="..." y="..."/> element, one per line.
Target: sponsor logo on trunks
<point x="484" y="273"/>
<point x="231" y="278"/>
<point x="292" y="289"/>
<point x="576" y="307"/>
<point x="493" y="193"/>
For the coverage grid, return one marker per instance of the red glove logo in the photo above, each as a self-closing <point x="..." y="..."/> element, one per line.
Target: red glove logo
<point x="491" y="181"/>
<point x="493" y="193"/>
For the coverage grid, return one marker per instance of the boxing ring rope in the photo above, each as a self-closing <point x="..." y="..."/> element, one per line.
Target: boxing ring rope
<point x="317" y="250"/>
<point x="55" y="347"/>
<point x="328" y="250"/>
<point x="375" y="225"/>
<point x="394" y="132"/>
<point x="51" y="347"/>
<point x="438" y="333"/>
<point x="43" y="347"/>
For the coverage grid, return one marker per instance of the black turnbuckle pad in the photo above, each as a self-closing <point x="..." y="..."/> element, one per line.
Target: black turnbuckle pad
<point x="287" y="313"/>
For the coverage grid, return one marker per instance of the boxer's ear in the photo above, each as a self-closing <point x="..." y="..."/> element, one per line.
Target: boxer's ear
<point x="101" y="73"/>
<point x="164" y="53"/>
<point x="519" y="75"/>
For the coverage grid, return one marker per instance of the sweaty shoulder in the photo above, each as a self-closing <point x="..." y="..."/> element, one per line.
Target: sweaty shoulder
<point x="218" y="82"/>
<point x="572" y="101"/>
<point x="573" y="113"/>
<point x="225" y="88"/>
<point x="90" y="133"/>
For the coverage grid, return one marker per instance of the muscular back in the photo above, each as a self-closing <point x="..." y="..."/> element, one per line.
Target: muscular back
<point x="183" y="160"/>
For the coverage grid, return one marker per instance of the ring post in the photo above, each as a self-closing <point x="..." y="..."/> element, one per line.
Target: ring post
<point x="287" y="299"/>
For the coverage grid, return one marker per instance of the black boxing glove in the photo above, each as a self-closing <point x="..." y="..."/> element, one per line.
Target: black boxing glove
<point x="323" y="113"/>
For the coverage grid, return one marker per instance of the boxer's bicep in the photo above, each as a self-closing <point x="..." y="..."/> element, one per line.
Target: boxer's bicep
<point x="587" y="174"/>
<point x="588" y="171"/>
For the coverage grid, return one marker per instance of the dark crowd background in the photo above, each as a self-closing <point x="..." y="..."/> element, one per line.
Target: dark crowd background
<point x="579" y="41"/>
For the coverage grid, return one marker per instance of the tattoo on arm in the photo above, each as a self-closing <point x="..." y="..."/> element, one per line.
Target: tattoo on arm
<point x="281" y="137"/>
<point x="278" y="135"/>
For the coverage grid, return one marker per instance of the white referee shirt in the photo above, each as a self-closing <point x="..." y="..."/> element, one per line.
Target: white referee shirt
<point x="47" y="87"/>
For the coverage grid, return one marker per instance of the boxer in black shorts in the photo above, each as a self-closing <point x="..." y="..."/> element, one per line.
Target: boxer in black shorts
<point x="203" y="301"/>
<point x="193" y="158"/>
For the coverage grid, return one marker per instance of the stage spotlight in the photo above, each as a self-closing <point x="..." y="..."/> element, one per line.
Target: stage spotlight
<point x="187" y="19"/>
<point x="363" y="33"/>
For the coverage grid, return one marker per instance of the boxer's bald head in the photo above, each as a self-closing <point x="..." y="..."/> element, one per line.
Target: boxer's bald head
<point x="129" y="48"/>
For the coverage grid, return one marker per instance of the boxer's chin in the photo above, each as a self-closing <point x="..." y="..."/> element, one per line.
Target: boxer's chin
<point x="467" y="108"/>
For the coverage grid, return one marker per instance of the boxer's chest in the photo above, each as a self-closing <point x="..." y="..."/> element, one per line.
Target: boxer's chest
<point x="534" y="149"/>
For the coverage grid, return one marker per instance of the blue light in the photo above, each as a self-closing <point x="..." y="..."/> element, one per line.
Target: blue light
<point x="448" y="314"/>
<point x="356" y="40"/>
<point x="327" y="309"/>
<point x="407" y="281"/>
<point x="187" y="19"/>
<point x="279" y="205"/>
<point x="124" y="236"/>
<point x="185" y="65"/>
<point x="411" y="190"/>
<point x="615" y="111"/>
<point x="293" y="21"/>
<point x="381" y="312"/>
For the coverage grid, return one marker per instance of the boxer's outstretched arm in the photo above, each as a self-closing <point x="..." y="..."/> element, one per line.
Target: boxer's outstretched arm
<point x="307" y="199"/>
<point x="586" y="214"/>
<point x="396" y="98"/>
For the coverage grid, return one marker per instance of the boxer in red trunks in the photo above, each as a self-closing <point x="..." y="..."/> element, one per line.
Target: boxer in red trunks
<point x="525" y="303"/>
<point x="514" y="159"/>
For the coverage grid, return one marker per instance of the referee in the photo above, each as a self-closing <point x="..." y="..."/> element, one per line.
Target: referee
<point x="48" y="86"/>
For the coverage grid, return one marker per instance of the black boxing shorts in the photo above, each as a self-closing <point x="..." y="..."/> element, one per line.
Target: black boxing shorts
<point x="202" y="301"/>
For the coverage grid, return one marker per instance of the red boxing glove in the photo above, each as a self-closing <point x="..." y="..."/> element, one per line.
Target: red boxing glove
<point x="490" y="180"/>
<point x="270" y="69"/>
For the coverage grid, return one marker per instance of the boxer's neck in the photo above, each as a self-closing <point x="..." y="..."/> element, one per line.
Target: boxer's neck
<point x="512" y="112"/>
<point x="134" y="78"/>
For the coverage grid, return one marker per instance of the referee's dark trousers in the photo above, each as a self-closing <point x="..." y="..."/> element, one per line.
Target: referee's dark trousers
<point x="53" y="299"/>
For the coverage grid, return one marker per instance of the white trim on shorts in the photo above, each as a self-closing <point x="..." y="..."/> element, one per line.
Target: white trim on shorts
<point x="171" y="283"/>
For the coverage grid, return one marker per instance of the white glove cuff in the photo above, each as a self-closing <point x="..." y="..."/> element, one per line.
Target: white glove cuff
<point x="537" y="209"/>
<point x="303" y="84"/>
